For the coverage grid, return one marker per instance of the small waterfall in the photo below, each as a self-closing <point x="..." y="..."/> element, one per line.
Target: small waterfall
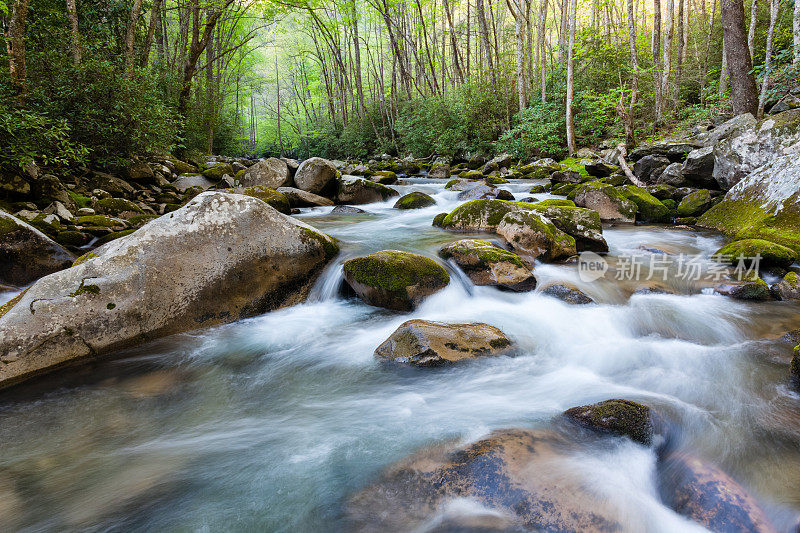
<point x="328" y="285"/>
<point x="462" y="278"/>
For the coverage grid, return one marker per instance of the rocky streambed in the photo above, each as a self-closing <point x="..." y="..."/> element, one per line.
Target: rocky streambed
<point x="435" y="359"/>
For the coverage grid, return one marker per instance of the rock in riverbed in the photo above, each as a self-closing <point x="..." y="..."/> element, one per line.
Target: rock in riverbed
<point x="621" y="417"/>
<point x="607" y="201"/>
<point x="315" y="175"/>
<point x="426" y="343"/>
<point x="26" y="253"/>
<point x="220" y="258"/>
<point x="393" y="279"/>
<point x="487" y="264"/>
<point x="414" y="200"/>
<point x="532" y="235"/>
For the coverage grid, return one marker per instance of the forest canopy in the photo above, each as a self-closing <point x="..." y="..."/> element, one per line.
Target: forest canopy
<point x="104" y="80"/>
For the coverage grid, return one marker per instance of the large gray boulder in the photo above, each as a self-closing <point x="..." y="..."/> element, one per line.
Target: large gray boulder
<point x="272" y="173"/>
<point x="300" y="198"/>
<point x="315" y="175"/>
<point x="355" y="190"/>
<point x="749" y="148"/>
<point x="698" y="167"/>
<point x="217" y="259"/>
<point x="26" y="253"/>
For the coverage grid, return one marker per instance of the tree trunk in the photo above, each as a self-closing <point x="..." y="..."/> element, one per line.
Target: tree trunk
<point x="630" y="134"/>
<point x="796" y="31"/>
<point x="680" y="56"/>
<point x="740" y="66"/>
<point x="16" y="45"/>
<point x="669" y="30"/>
<point x="75" y="37"/>
<point x="278" y="99"/>
<point x="571" y="145"/>
<point x="657" y="59"/>
<point x="751" y="32"/>
<point x="453" y="41"/>
<point x="487" y="45"/>
<point x="723" y="73"/>
<point x="774" y="8"/>
<point x="540" y="32"/>
<point x="357" y="66"/>
<point x="130" y="35"/>
<point x="151" y="29"/>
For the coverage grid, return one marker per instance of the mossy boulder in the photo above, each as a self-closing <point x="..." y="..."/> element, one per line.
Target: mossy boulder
<point x="794" y="367"/>
<point x="384" y="177"/>
<point x="472" y="175"/>
<point x="353" y="190"/>
<point x="753" y="288"/>
<point x="220" y="258"/>
<point x="770" y="254"/>
<point x="100" y="221"/>
<point x="26" y="253"/>
<point x="583" y="224"/>
<point x="73" y="238"/>
<point x="484" y="191"/>
<point x="438" y="220"/>
<point x="481" y="215"/>
<point x="787" y="288"/>
<point x="272" y="197"/>
<point x="494" y="180"/>
<point x="115" y="206"/>
<point x="563" y="189"/>
<point x="394" y="279"/>
<point x="300" y="198"/>
<point x="414" y="200"/>
<point x="695" y="203"/>
<point x="763" y="205"/>
<point x="424" y="343"/>
<point x="610" y="204"/>
<point x="556" y="202"/>
<point x="216" y="172"/>
<point x="649" y="208"/>
<point x="487" y="264"/>
<point x="532" y="235"/>
<point x="620" y="417"/>
<point x="137" y="221"/>
<point x="114" y="236"/>
<point x="661" y="191"/>
<point x="439" y="171"/>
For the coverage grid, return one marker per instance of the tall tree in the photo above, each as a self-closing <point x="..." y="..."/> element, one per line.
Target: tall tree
<point x="669" y="31"/>
<point x="16" y="45"/>
<point x="75" y="38"/>
<point x="656" y="45"/>
<point x="627" y="115"/>
<point x="573" y="19"/>
<point x="130" y="34"/>
<point x="740" y="65"/>
<point x="751" y="32"/>
<point x="796" y="31"/>
<point x="774" y="8"/>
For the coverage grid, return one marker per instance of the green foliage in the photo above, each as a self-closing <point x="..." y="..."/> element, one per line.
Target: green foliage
<point x="539" y="131"/>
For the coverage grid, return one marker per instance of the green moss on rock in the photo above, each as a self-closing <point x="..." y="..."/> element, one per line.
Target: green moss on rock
<point x="414" y="200"/>
<point x="771" y="254"/>
<point x="493" y="180"/>
<point x="82" y="259"/>
<point x="649" y="208"/>
<point x="329" y="244"/>
<point x="620" y="417"/>
<point x="115" y="206"/>
<point x="695" y="203"/>
<point x="556" y="202"/>
<point x="99" y="221"/>
<point x="484" y="252"/>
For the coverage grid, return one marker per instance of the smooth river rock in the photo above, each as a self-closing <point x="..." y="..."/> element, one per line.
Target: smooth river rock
<point x="272" y="173"/>
<point x="426" y="343"/>
<point x="487" y="264"/>
<point x="315" y="175"/>
<point x="26" y="253"/>
<point x="217" y="259"/>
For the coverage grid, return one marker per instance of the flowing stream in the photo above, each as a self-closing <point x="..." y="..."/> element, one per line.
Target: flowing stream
<point x="270" y="423"/>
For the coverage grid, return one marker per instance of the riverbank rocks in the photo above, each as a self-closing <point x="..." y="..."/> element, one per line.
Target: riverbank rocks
<point x="787" y="288"/>
<point x="705" y="494"/>
<point x="609" y="203"/>
<point x="217" y="259"/>
<point x="315" y="175"/>
<point x="481" y="215"/>
<point x="532" y="235"/>
<point x="567" y="293"/>
<point x="695" y="203"/>
<point x="752" y="288"/>
<point x="414" y="200"/>
<point x="393" y="279"/>
<point x="300" y="198"/>
<point x="487" y="264"/>
<point x="353" y="190"/>
<point x="26" y="253"/>
<point x="648" y="207"/>
<point x="751" y="147"/>
<point x="699" y="167"/>
<point x="517" y="474"/>
<point x="424" y="343"/>
<point x="582" y="224"/>
<point x="265" y="194"/>
<point x="770" y="254"/>
<point x="620" y="417"/>
<point x="272" y="173"/>
<point x="764" y="205"/>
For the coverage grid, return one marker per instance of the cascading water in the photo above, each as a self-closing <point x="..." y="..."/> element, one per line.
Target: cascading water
<point x="271" y="423"/>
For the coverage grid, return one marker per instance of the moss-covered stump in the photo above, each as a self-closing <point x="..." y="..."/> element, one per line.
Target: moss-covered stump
<point x="695" y="203"/>
<point x="649" y="208"/>
<point x="424" y="343"/>
<point x="620" y="417"/>
<point x="523" y="476"/>
<point x="115" y="206"/>
<point x="567" y="293"/>
<point x="708" y="496"/>
<point x="358" y="191"/>
<point x="582" y="224"/>
<point x="611" y="205"/>
<point x="487" y="264"/>
<point x="395" y="280"/>
<point x="787" y="288"/>
<point x="220" y="258"/>
<point x="414" y="200"/>
<point x="26" y="253"/>
<point x="533" y="235"/>
<point x="770" y="254"/>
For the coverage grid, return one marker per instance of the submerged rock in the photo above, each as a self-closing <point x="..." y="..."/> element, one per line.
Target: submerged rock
<point x="393" y="279"/>
<point x="347" y="210"/>
<point x="621" y="417"/>
<point x="426" y="343"/>
<point x="787" y="288"/>
<point x="487" y="264"/>
<point x="414" y="200"/>
<point x="607" y="201"/>
<point x="532" y="235"/>
<point x="705" y="494"/>
<point x="315" y="175"/>
<point x="517" y="473"/>
<point x="567" y="293"/>
<point x="220" y="258"/>
<point x="26" y="253"/>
